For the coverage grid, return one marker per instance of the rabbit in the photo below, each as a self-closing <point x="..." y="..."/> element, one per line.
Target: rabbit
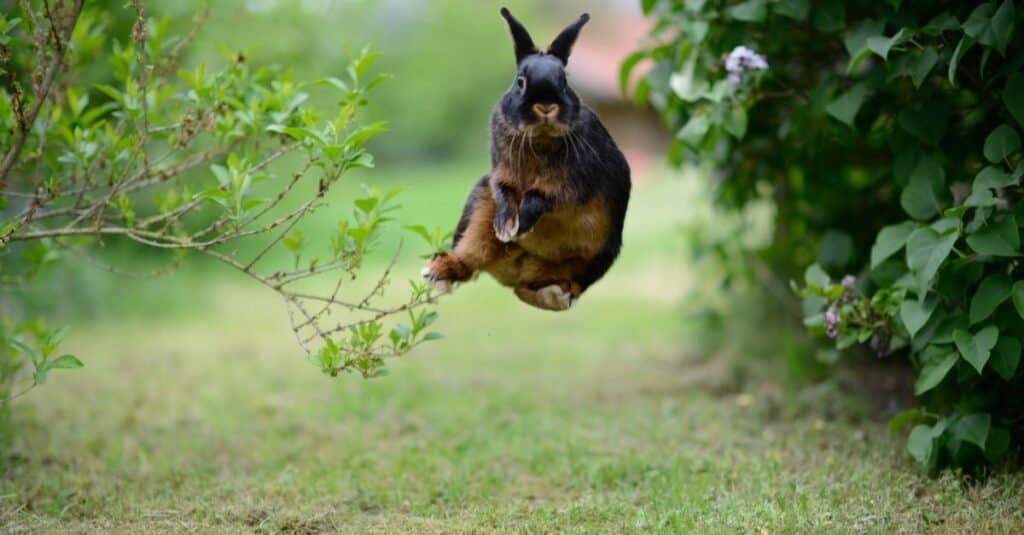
<point x="547" y="219"/>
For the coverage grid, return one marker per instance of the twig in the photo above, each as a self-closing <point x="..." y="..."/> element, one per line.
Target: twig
<point x="48" y="78"/>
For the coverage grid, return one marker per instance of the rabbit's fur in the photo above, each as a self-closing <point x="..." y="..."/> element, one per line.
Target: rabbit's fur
<point x="547" y="219"/>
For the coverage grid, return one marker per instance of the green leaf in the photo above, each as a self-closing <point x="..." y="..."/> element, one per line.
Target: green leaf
<point x="1013" y="96"/>
<point x="794" y="9"/>
<point x="976" y="348"/>
<point x="338" y="84"/>
<point x="979" y="199"/>
<point x="333" y="152"/>
<point x="997" y="239"/>
<point x="856" y="41"/>
<point x="24" y="349"/>
<point x="943" y="22"/>
<point x="881" y="45"/>
<point x="845" y="107"/>
<point x="749" y="11"/>
<point x="815" y="276"/>
<point x="943" y="333"/>
<point x="361" y="135"/>
<point x="926" y="250"/>
<point x="890" y="240"/>
<point x="401" y="331"/>
<point x="997" y="444"/>
<point x="647" y="6"/>
<point x="920" y="63"/>
<point x="973" y="428"/>
<point x="63" y="362"/>
<point x="367" y="204"/>
<point x="933" y="372"/>
<point x="736" y="121"/>
<point x="903" y="419"/>
<point x="54" y="339"/>
<point x="1006" y="357"/>
<point x="923" y="196"/>
<point x="626" y="68"/>
<point x="965" y="44"/>
<point x="992" y="177"/>
<point x="1001" y="143"/>
<point x="687" y="83"/>
<point x="695" y="130"/>
<point x="421" y="231"/>
<point x="1017" y="294"/>
<point x="921" y="444"/>
<point x="990" y="26"/>
<point x="990" y="294"/>
<point x="299" y="133"/>
<point x="915" y="314"/>
<point x="947" y="224"/>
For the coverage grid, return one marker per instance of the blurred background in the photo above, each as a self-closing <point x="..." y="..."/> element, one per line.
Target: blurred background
<point x="195" y="397"/>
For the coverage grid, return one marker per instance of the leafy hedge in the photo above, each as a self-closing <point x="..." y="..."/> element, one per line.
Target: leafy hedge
<point x="888" y="135"/>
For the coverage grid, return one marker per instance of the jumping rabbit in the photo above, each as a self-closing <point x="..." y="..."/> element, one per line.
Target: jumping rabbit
<point x="547" y="219"/>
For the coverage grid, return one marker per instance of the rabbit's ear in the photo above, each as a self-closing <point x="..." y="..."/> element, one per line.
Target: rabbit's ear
<point x="520" y="37"/>
<point x="562" y="45"/>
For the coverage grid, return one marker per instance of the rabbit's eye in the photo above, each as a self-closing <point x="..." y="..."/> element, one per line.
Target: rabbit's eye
<point x="521" y="83"/>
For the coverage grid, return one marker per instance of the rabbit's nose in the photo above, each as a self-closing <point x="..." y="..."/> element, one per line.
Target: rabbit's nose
<point x="546" y="111"/>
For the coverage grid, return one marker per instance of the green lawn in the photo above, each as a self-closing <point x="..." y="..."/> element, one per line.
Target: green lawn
<point x="196" y="413"/>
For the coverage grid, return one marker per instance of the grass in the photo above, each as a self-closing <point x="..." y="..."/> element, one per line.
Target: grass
<point x="199" y="416"/>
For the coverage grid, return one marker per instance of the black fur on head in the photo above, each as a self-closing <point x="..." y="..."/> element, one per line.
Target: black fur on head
<point x="540" y="98"/>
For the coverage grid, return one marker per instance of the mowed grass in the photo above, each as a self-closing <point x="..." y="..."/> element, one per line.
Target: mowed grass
<point x="197" y="413"/>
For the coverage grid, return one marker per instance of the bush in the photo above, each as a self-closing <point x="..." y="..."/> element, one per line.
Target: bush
<point x="888" y="135"/>
<point x="224" y="162"/>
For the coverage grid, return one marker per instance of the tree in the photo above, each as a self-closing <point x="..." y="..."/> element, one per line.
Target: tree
<point x="222" y="162"/>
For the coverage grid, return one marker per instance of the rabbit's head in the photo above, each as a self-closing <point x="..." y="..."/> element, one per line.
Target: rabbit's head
<point x="540" y="100"/>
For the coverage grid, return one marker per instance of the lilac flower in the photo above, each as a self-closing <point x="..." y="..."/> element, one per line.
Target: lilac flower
<point x="849" y="282"/>
<point x="741" y="59"/>
<point x="832" y="322"/>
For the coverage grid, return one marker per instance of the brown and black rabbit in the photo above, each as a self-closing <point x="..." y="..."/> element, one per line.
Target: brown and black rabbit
<point x="547" y="219"/>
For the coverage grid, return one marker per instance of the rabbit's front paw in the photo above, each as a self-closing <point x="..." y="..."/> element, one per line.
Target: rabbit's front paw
<point x="444" y="270"/>
<point x="508" y="230"/>
<point x="435" y="281"/>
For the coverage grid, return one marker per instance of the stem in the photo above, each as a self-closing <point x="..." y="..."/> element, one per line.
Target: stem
<point x="48" y="79"/>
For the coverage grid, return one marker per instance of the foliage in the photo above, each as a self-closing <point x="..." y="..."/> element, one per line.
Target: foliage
<point x="888" y="135"/>
<point x="218" y="161"/>
<point x="449" y="58"/>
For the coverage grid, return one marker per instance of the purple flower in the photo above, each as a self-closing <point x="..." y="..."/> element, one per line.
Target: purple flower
<point x="741" y="59"/>
<point x="849" y="282"/>
<point x="832" y="322"/>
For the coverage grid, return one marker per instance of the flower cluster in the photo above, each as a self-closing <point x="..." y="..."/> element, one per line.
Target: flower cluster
<point x="850" y="313"/>
<point x="832" y="321"/>
<point x="832" y="317"/>
<point x="741" y="59"/>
